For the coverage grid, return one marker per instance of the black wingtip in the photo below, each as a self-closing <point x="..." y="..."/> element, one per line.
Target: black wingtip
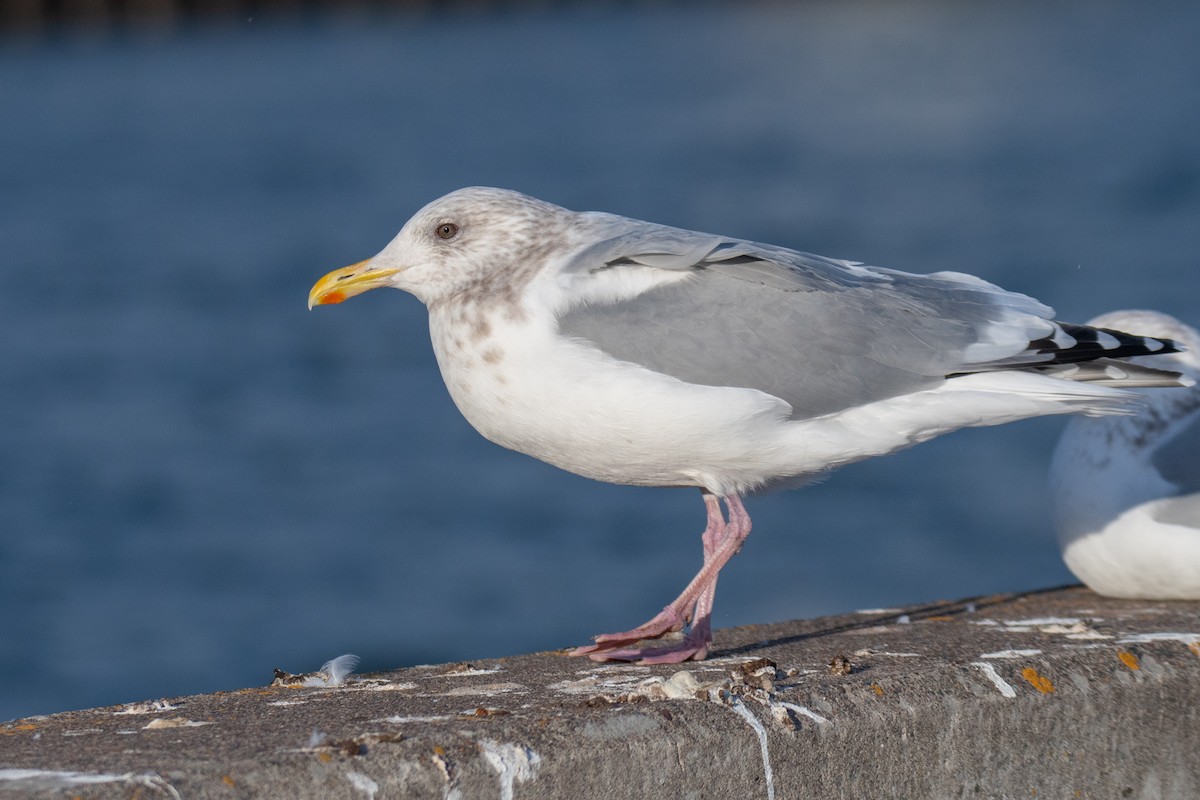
<point x="1092" y="343"/>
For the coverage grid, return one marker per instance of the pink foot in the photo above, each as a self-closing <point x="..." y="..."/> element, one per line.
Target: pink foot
<point x="667" y="621"/>
<point x="694" y="605"/>
<point x="693" y="646"/>
<point x="690" y="647"/>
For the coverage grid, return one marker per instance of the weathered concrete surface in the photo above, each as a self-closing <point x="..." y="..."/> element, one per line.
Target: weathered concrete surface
<point x="1058" y="694"/>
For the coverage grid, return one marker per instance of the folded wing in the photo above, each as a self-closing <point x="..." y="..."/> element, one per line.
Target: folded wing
<point x="819" y="333"/>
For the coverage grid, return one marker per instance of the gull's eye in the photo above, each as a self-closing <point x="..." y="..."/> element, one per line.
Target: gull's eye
<point x="447" y="230"/>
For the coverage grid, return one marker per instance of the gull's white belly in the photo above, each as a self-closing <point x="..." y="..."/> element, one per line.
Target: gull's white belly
<point x="528" y="389"/>
<point x="1138" y="555"/>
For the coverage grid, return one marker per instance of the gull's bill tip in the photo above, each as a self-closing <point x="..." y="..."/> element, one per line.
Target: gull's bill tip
<point x="346" y="282"/>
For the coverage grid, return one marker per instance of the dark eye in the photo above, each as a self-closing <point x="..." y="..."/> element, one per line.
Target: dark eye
<point x="447" y="230"/>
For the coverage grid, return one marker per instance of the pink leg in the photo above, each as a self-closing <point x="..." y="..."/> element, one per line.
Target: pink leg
<point x="700" y="636"/>
<point x="721" y="540"/>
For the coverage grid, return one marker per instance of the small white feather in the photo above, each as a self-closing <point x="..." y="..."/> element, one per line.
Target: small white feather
<point x="340" y="668"/>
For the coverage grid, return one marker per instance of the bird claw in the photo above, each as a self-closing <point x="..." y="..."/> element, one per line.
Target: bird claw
<point x="616" y="646"/>
<point x="693" y="646"/>
<point x="667" y="621"/>
<point x="612" y="642"/>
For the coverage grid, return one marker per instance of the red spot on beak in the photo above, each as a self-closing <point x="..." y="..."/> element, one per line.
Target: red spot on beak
<point x="331" y="299"/>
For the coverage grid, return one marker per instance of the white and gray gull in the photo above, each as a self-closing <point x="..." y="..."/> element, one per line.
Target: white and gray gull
<point x="1127" y="488"/>
<point x="642" y="354"/>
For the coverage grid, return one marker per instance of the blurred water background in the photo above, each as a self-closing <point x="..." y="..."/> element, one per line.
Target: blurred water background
<point x="200" y="480"/>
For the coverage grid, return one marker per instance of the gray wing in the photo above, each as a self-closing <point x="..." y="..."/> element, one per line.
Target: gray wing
<point x="1178" y="460"/>
<point x="821" y="334"/>
<point x="1183" y="511"/>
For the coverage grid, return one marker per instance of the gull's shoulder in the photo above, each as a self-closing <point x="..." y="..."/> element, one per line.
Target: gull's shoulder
<point x="1175" y="457"/>
<point x="619" y="258"/>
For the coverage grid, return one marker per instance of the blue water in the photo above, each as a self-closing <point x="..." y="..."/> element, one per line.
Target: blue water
<point x="200" y="480"/>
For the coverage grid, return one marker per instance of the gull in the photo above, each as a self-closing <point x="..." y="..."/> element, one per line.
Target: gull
<point x="1127" y="489"/>
<point x="637" y="353"/>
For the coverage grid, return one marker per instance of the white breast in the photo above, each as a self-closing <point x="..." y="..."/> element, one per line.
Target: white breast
<point x="526" y="388"/>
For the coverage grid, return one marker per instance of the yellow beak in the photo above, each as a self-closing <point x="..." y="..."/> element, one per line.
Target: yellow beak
<point x="347" y="282"/>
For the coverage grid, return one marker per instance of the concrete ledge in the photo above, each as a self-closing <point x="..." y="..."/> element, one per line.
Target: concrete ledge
<point x="1049" y="694"/>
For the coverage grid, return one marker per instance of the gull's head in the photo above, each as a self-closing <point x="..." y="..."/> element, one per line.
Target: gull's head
<point x="453" y="244"/>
